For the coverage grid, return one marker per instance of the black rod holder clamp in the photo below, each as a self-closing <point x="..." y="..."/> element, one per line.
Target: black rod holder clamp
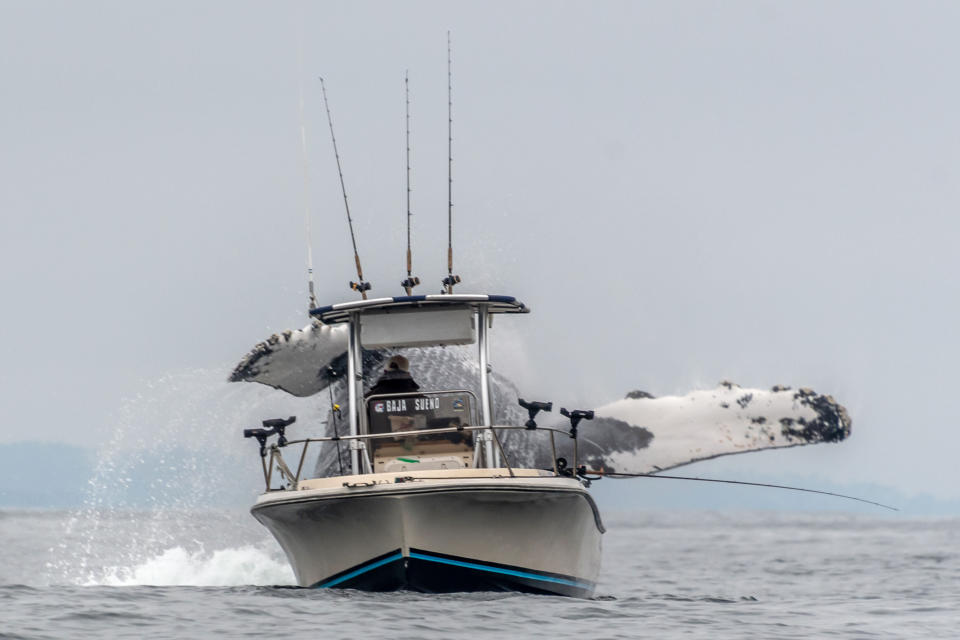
<point x="274" y="426"/>
<point x="279" y="426"/>
<point x="261" y="435"/>
<point x="575" y="417"/>
<point x="533" y="408"/>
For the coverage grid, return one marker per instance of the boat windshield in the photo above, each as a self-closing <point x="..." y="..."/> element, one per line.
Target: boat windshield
<point x="411" y="412"/>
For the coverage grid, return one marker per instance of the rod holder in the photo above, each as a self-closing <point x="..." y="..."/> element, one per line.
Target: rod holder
<point x="273" y="426"/>
<point x="575" y="417"/>
<point x="279" y="426"/>
<point x="533" y="408"/>
<point x="261" y="435"/>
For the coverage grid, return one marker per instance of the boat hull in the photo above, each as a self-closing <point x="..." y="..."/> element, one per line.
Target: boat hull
<point x="539" y="535"/>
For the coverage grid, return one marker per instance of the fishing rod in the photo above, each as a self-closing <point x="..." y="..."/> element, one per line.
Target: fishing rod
<point x="613" y="474"/>
<point x="451" y="279"/>
<point x="360" y="285"/>
<point x="411" y="280"/>
<point x="312" y="298"/>
<point x="334" y="413"/>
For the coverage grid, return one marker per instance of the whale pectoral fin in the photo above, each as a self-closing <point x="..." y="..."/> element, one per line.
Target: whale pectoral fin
<point x="294" y="361"/>
<point x="711" y="423"/>
<point x="644" y="434"/>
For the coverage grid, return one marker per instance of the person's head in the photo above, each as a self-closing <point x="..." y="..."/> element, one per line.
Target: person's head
<point x="397" y="363"/>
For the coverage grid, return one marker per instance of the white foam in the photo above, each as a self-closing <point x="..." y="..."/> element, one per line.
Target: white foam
<point x="178" y="566"/>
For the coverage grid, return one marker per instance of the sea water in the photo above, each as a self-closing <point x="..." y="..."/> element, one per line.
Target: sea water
<point x="199" y="573"/>
<point x="147" y="558"/>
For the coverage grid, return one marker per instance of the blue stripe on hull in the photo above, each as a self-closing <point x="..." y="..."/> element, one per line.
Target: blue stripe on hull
<point x="422" y="571"/>
<point x="350" y="575"/>
<point x="527" y="574"/>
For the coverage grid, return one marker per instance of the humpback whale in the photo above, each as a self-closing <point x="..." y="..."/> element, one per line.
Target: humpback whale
<point x="639" y="433"/>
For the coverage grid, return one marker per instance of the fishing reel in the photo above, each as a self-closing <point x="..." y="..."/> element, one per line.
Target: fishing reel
<point x="575" y="417"/>
<point x="360" y="287"/>
<point x="449" y="281"/>
<point x="274" y="426"/>
<point x="533" y="408"/>
<point x="410" y="283"/>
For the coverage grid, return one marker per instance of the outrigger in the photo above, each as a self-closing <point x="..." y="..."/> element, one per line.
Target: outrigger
<point x="431" y="501"/>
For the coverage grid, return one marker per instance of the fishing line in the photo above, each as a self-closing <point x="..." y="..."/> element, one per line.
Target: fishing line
<point x="360" y="286"/>
<point x="749" y="484"/>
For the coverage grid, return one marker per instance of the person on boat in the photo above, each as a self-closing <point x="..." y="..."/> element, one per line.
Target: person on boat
<point x="396" y="378"/>
<point x="398" y="414"/>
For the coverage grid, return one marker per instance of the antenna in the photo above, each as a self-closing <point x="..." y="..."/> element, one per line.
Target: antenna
<point x="411" y="280"/>
<point x="451" y="279"/>
<point x="360" y="286"/>
<point x="306" y="184"/>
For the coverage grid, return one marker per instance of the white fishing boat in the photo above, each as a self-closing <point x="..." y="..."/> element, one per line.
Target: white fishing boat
<point x="432" y="502"/>
<point x="453" y="486"/>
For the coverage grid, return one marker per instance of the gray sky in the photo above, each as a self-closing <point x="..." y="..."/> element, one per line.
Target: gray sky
<point x="683" y="192"/>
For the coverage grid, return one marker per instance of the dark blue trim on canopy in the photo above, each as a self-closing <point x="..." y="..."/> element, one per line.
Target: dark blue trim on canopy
<point x="335" y="313"/>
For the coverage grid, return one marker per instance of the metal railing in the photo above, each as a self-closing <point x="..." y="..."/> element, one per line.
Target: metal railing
<point x="276" y="457"/>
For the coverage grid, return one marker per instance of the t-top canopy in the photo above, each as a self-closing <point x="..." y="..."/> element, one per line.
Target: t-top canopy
<point x="338" y="313"/>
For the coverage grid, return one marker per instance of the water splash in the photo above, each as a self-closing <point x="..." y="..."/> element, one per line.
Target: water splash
<point x="179" y="566"/>
<point x="175" y="449"/>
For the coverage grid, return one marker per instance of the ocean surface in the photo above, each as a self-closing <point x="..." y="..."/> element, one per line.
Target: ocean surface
<point x="695" y="574"/>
